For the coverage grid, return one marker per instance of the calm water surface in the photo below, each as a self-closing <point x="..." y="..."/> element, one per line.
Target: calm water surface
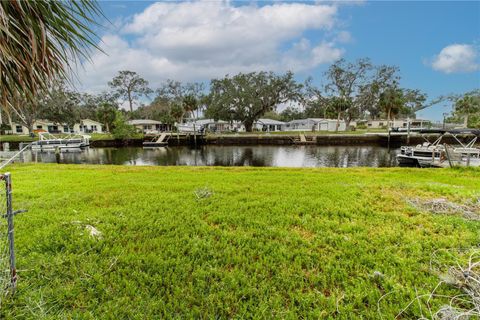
<point x="258" y="156"/>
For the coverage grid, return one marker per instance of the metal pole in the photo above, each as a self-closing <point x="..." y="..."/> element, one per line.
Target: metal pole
<point x="11" y="246"/>
<point x="408" y="131"/>
<point x="448" y="155"/>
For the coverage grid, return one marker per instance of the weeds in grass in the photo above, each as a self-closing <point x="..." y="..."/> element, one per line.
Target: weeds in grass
<point x="463" y="276"/>
<point x="203" y="193"/>
<point x="470" y="210"/>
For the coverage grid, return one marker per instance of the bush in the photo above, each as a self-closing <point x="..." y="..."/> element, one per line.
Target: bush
<point x="362" y="126"/>
<point x="121" y="129"/>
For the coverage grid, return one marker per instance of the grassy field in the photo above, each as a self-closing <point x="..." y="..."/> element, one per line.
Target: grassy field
<point x="230" y="242"/>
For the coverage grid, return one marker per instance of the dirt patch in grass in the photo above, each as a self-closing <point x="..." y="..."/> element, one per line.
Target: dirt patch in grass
<point x="469" y="210"/>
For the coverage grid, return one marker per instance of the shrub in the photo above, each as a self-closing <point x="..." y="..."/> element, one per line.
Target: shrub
<point x="121" y="129"/>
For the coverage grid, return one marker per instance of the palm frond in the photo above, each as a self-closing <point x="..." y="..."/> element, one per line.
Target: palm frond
<point x="39" y="40"/>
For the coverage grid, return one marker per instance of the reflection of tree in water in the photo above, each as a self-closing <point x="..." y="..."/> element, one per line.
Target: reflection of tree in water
<point x="343" y="156"/>
<point x="239" y="156"/>
<point x="125" y="155"/>
<point x="319" y="156"/>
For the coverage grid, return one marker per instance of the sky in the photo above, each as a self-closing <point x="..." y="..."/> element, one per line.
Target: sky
<point x="436" y="45"/>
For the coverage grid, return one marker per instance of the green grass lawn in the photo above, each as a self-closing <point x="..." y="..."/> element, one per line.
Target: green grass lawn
<point x="16" y="138"/>
<point x="268" y="243"/>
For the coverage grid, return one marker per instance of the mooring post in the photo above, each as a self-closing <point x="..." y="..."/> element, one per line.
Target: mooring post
<point x="388" y="139"/>
<point x="448" y="155"/>
<point x="194" y="135"/>
<point x="11" y="245"/>
<point x="408" y="131"/>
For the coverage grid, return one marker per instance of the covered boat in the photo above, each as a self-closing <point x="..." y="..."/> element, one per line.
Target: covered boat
<point x="48" y="141"/>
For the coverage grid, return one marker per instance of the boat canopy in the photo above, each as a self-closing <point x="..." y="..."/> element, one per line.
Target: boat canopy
<point x="452" y="131"/>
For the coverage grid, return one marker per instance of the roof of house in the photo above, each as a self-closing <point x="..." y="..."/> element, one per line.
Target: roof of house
<point x="202" y="122"/>
<point x="270" y="122"/>
<point x="315" y="120"/>
<point x="136" y="122"/>
<point x="397" y="120"/>
<point x="90" y="120"/>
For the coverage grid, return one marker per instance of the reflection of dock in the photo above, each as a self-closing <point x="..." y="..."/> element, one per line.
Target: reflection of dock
<point x="4" y="155"/>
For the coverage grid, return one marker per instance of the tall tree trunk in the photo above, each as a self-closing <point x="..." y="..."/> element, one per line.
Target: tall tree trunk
<point x="10" y="122"/>
<point x="248" y="126"/>
<point x="338" y="122"/>
<point x="465" y="120"/>
<point x="348" y="119"/>
<point x="389" y="115"/>
<point x="130" y="102"/>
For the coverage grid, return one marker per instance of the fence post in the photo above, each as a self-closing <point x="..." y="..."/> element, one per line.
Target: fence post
<point x="11" y="246"/>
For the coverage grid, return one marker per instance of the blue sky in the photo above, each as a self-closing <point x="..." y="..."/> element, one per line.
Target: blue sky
<point x="435" y="44"/>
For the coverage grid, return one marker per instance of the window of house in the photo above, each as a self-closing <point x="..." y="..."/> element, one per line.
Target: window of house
<point x="19" y="129"/>
<point x="380" y="124"/>
<point x="94" y="127"/>
<point x="66" y="129"/>
<point x="369" y="124"/>
<point x="39" y="127"/>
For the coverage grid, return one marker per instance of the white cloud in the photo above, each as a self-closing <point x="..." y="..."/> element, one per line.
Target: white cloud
<point x="203" y="39"/>
<point x="456" y="58"/>
<point x="344" y="37"/>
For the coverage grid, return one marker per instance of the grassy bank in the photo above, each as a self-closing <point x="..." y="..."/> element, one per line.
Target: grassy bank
<point x="296" y="133"/>
<point x="264" y="243"/>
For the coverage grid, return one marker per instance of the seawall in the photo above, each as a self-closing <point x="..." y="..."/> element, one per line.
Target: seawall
<point x="380" y="139"/>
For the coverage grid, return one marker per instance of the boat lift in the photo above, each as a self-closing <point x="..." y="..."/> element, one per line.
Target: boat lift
<point x="160" y="140"/>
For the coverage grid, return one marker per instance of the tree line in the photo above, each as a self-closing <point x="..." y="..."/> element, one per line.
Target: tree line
<point x="351" y="90"/>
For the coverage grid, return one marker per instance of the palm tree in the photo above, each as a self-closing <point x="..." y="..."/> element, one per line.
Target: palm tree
<point x="392" y="101"/>
<point x="40" y="39"/>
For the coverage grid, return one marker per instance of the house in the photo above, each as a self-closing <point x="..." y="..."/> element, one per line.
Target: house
<point x="401" y="124"/>
<point x="269" y="125"/>
<point x="85" y="126"/>
<point x="150" y="126"/>
<point x="214" y="126"/>
<point x="315" y="124"/>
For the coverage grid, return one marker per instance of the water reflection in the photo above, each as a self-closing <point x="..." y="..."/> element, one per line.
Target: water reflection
<point x="258" y="156"/>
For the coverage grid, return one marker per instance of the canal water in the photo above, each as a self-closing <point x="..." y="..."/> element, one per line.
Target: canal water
<point x="258" y="156"/>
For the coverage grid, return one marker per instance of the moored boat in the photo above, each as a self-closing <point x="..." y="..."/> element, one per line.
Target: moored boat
<point x="48" y="141"/>
<point x="436" y="154"/>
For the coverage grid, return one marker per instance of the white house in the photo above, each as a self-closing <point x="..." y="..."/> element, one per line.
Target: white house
<point x="269" y="125"/>
<point x="149" y="126"/>
<point x="85" y="126"/>
<point x="315" y="124"/>
<point x="214" y="126"/>
<point x="398" y="123"/>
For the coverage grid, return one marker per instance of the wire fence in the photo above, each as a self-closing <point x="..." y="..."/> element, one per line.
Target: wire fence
<point x="8" y="271"/>
<point x="8" y="274"/>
